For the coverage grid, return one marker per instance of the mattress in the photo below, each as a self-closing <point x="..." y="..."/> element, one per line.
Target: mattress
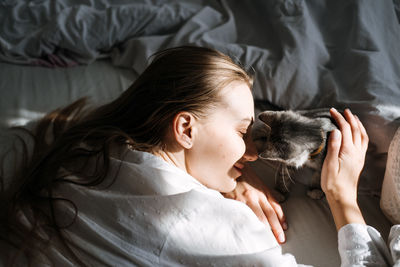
<point x="29" y="92"/>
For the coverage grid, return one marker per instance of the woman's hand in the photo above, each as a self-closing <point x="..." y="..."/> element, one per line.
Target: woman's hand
<point x="342" y="167"/>
<point x="346" y="155"/>
<point x="255" y="194"/>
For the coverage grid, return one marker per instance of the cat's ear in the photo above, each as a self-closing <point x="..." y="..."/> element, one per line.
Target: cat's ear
<point x="268" y="117"/>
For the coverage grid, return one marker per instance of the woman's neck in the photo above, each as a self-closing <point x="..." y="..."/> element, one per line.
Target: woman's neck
<point x="176" y="158"/>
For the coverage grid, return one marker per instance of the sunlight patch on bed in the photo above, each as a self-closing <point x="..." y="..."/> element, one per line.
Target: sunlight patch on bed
<point x="23" y="117"/>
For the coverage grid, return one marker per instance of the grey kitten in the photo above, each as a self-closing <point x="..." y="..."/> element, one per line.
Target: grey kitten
<point x="292" y="139"/>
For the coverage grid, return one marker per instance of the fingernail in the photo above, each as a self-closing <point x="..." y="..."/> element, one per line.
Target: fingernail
<point x="284" y="226"/>
<point x="334" y="109"/>
<point x="335" y="134"/>
<point x="281" y="238"/>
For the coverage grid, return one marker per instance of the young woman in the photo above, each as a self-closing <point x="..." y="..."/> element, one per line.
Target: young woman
<point x="138" y="181"/>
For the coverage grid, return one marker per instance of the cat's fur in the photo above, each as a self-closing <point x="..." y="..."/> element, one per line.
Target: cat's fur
<point x="292" y="139"/>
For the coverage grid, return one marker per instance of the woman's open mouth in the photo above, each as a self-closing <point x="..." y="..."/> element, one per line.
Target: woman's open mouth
<point x="239" y="167"/>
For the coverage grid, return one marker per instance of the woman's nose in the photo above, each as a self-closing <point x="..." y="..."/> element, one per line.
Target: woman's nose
<point x="251" y="151"/>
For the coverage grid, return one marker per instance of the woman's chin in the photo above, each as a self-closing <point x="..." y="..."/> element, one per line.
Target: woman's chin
<point x="229" y="187"/>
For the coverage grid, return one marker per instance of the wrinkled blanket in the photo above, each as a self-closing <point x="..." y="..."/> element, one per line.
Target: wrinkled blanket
<point x="304" y="53"/>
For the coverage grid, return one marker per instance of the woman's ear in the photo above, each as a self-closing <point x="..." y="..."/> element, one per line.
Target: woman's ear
<point x="183" y="129"/>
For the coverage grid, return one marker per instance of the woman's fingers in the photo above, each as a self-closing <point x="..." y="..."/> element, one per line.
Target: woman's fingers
<point x="345" y="159"/>
<point x="364" y="135"/>
<point x="355" y="128"/>
<point x="352" y="130"/>
<point x="268" y="196"/>
<point x="278" y="210"/>
<point x="344" y="126"/>
<point x="258" y="211"/>
<point x="266" y="213"/>
<point x="331" y="164"/>
<point x="256" y="195"/>
<point x="273" y="220"/>
<point x="334" y="143"/>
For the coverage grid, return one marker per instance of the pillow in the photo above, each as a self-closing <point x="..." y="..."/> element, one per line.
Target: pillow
<point x="390" y="197"/>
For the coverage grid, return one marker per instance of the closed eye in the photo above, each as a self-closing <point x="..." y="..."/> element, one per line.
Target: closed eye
<point x="245" y="126"/>
<point x="242" y="134"/>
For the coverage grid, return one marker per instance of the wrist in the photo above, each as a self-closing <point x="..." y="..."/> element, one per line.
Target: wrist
<point x="345" y="210"/>
<point x="341" y="193"/>
<point x="347" y="198"/>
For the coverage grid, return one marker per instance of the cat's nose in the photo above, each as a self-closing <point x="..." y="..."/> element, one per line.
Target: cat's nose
<point x="250" y="157"/>
<point x="251" y="153"/>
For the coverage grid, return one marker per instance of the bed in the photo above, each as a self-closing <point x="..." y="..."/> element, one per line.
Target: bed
<point x="304" y="54"/>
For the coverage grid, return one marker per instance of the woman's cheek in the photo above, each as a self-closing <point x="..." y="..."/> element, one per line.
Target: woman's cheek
<point x="241" y="147"/>
<point x="236" y="149"/>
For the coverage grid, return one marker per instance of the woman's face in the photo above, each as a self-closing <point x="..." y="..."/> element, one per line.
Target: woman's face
<point x="223" y="140"/>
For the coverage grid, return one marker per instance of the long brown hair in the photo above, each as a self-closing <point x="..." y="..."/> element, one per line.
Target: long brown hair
<point x="178" y="79"/>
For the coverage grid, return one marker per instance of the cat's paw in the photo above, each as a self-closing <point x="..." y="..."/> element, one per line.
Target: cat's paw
<point x="280" y="196"/>
<point x="315" y="193"/>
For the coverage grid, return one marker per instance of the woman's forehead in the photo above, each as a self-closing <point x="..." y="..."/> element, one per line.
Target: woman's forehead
<point x="238" y="100"/>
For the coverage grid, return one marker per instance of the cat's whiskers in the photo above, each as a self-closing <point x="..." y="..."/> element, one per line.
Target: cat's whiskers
<point x="283" y="175"/>
<point x="276" y="173"/>
<point x="288" y="174"/>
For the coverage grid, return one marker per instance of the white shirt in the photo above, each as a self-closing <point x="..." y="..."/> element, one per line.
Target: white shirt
<point x="362" y="245"/>
<point x="155" y="214"/>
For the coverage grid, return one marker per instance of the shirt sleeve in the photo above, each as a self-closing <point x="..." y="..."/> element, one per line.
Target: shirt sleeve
<point x="394" y="244"/>
<point x="362" y="245"/>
